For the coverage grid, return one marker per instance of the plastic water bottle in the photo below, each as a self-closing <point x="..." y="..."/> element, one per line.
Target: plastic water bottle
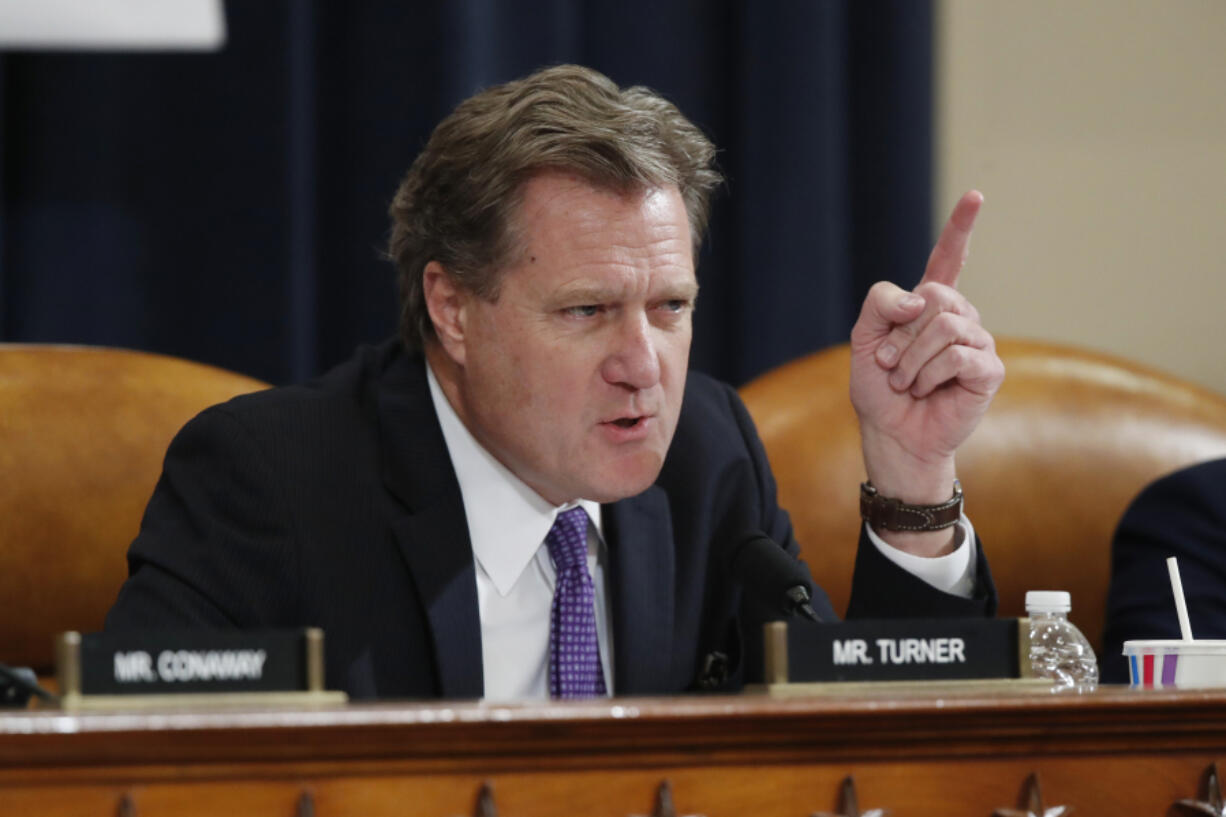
<point x="1058" y="650"/>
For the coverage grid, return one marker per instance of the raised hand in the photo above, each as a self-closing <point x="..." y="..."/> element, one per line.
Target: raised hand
<point x="923" y="371"/>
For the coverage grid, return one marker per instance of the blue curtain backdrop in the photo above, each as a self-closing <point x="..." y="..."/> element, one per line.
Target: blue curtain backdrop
<point x="230" y="207"/>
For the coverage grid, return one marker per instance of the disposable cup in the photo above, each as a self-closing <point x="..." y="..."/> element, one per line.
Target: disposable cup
<point x="1165" y="664"/>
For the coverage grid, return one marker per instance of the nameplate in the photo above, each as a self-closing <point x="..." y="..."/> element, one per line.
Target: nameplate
<point x="157" y="662"/>
<point x="892" y="650"/>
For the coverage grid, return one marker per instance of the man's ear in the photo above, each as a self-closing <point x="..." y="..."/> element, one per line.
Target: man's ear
<point x="446" y="303"/>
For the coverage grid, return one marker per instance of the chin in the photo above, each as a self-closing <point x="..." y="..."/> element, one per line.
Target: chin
<point x="626" y="479"/>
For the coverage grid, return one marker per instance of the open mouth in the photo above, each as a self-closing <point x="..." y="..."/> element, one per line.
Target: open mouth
<point x="627" y="422"/>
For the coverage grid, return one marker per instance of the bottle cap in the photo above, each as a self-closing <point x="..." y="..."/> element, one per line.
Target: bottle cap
<point x="1048" y="601"/>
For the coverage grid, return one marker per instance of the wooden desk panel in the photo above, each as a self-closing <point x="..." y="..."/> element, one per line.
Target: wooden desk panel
<point x="1116" y="752"/>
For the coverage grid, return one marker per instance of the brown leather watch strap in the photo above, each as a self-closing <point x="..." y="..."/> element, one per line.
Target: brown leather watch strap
<point x="882" y="513"/>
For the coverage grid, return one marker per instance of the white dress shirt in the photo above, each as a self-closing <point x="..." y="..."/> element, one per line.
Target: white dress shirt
<point x="507" y="524"/>
<point x="954" y="572"/>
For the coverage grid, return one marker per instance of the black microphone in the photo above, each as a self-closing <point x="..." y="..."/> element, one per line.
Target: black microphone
<point x="17" y="684"/>
<point x="772" y="575"/>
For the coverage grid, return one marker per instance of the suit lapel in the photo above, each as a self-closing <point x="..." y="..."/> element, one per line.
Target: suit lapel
<point x="642" y="565"/>
<point x="432" y="534"/>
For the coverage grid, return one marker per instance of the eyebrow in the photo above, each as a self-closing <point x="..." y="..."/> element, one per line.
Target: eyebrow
<point x="688" y="290"/>
<point x="684" y="291"/>
<point x="584" y="292"/>
<point x="596" y="294"/>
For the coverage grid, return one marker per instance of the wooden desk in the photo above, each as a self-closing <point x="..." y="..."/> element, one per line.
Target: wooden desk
<point x="930" y="752"/>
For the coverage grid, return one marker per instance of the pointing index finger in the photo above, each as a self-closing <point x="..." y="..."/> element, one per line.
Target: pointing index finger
<point x="949" y="254"/>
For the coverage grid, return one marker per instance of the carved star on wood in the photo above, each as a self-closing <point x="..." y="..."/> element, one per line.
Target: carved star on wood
<point x="1210" y="801"/>
<point x="664" y="803"/>
<point x="484" y="804"/>
<point x="849" y="803"/>
<point x="1031" y="803"/>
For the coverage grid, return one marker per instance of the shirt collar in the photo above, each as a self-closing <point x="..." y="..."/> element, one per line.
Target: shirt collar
<point x="507" y="520"/>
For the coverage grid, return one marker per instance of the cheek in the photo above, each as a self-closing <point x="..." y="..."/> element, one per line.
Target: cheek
<point x="546" y="386"/>
<point x="674" y="351"/>
<point x="497" y="380"/>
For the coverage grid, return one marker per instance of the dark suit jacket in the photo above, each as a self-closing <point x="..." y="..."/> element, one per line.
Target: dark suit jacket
<point x="1181" y="515"/>
<point x="334" y="504"/>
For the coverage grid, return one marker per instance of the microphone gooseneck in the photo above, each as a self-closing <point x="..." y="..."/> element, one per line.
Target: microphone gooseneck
<point x="771" y="574"/>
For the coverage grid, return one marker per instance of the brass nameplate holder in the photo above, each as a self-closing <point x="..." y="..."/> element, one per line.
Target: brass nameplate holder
<point x="157" y="668"/>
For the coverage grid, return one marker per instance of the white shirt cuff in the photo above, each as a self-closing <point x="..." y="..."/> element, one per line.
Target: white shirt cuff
<point x="952" y="573"/>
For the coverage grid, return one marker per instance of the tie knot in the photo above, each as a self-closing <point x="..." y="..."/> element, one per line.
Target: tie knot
<point x="567" y="539"/>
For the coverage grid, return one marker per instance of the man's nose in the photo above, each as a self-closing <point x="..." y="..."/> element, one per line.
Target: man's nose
<point x="633" y="360"/>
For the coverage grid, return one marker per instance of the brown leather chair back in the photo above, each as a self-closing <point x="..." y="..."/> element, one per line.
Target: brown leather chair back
<point x="82" y="435"/>
<point x="1071" y="439"/>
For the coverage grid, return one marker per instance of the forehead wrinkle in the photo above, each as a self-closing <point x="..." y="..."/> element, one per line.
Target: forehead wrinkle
<point x="573" y="199"/>
<point x="607" y="282"/>
<point x="653" y="245"/>
<point x="547" y="199"/>
<point x="550" y="192"/>
<point x="613" y="245"/>
<point x="624" y="272"/>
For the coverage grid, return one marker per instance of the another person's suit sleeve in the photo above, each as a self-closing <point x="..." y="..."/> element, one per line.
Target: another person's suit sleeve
<point x="1181" y="515"/>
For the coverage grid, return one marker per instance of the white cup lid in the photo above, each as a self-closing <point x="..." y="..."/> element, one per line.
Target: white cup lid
<point x="1201" y="646"/>
<point x="1049" y="601"/>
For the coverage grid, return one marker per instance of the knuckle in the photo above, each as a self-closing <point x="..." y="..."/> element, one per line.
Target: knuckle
<point x="948" y="323"/>
<point x="901" y="334"/>
<point x="946" y="298"/>
<point x="933" y="291"/>
<point x="961" y="356"/>
<point x="998" y="369"/>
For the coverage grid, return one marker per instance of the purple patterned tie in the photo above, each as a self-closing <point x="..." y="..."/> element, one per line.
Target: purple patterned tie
<point x="574" y="652"/>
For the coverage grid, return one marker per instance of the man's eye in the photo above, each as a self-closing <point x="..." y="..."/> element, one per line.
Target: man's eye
<point x="675" y="305"/>
<point x="583" y="311"/>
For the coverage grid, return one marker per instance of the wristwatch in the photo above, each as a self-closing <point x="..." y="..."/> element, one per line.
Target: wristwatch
<point x="885" y="513"/>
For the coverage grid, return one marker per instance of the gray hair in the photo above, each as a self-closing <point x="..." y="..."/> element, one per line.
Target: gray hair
<point x="457" y="202"/>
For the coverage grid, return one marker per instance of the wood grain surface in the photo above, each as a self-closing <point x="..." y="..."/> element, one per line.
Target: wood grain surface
<point x="930" y="751"/>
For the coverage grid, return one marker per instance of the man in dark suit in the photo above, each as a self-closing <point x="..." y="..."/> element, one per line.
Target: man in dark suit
<point x="525" y="494"/>
<point x="1181" y="515"/>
